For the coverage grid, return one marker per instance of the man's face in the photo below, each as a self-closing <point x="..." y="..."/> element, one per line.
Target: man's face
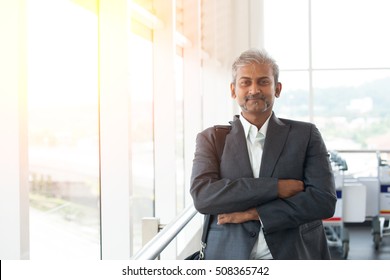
<point x="255" y="89"/>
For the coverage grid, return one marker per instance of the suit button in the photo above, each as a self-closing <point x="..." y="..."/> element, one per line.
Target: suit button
<point x="252" y="234"/>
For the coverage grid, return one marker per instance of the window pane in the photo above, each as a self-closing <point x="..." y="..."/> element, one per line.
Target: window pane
<point x="294" y="99"/>
<point x="142" y="154"/>
<point x="286" y="32"/>
<point x="351" y="108"/>
<point x="360" y="164"/>
<point x="350" y="33"/>
<point x="63" y="131"/>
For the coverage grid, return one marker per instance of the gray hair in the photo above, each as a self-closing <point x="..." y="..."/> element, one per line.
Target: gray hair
<point x="255" y="56"/>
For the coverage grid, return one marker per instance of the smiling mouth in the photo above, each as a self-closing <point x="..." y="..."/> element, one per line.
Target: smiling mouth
<point x="254" y="97"/>
<point x="255" y="100"/>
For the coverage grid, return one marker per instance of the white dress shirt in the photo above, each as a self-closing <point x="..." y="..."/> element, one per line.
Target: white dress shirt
<point x="255" y="141"/>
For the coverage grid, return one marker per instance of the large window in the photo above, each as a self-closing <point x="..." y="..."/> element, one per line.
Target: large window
<point x="63" y="131"/>
<point x="143" y="102"/>
<point x="335" y="67"/>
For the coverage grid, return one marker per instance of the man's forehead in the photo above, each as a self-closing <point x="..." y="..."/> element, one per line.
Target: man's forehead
<point x="252" y="69"/>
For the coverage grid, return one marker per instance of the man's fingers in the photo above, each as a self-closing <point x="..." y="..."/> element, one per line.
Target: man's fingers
<point x="221" y="219"/>
<point x="289" y="187"/>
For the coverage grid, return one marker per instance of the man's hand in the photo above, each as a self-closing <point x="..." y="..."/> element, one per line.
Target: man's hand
<point x="238" y="217"/>
<point x="289" y="187"/>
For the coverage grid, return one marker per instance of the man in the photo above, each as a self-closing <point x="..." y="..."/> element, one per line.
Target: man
<point x="273" y="184"/>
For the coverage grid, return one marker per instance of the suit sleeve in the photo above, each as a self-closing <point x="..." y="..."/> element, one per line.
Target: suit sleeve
<point x="316" y="202"/>
<point x="213" y="195"/>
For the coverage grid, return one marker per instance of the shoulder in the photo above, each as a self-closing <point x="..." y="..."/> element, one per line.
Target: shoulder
<point x="300" y="127"/>
<point x="208" y="132"/>
<point x="304" y="130"/>
<point x="215" y="131"/>
<point x="295" y="123"/>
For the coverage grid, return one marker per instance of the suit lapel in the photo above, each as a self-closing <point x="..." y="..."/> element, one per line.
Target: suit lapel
<point x="274" y="142"/>
<point x="236" y="150"/>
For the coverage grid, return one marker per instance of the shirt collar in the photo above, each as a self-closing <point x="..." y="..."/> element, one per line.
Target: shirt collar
<point x="247" y="126"/>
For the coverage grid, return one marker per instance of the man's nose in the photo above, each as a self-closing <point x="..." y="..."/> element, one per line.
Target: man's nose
<point x="254" y="89"/>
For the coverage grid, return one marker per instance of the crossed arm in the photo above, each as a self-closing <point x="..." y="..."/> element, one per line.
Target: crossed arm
<point x="279" y="203"/>
<point x="286" y="189"/>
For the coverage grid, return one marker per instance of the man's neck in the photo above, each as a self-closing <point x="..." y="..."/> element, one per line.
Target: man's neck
<point x="256" y="120"/>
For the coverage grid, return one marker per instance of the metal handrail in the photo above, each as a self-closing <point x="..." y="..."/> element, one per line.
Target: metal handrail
<point x="154" y="247"/>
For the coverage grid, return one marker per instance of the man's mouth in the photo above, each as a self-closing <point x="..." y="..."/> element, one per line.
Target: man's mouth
<point x="255" y="97"/>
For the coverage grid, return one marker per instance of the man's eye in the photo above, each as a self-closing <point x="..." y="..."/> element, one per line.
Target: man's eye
<point x="245" y="83"/>
<point x="264" y="82"/>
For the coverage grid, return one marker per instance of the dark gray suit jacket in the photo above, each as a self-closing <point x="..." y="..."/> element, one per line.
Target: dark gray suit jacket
<point x="292" y="227"/>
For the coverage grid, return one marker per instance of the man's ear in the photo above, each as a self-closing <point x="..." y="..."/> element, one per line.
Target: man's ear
<point x="233" y="90"/>
<point x="278" y="89"/>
